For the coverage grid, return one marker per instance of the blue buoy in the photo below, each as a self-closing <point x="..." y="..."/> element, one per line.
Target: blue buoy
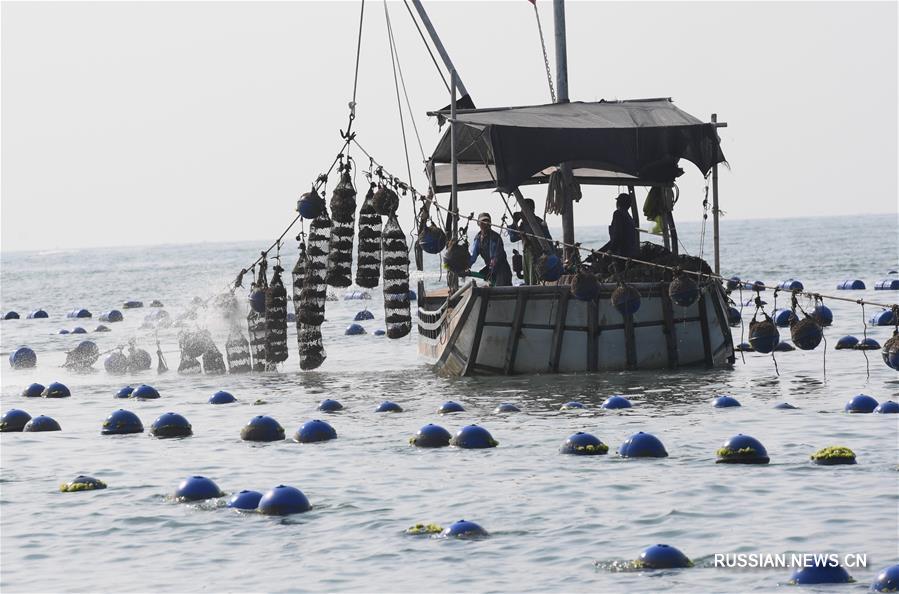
<point x="63" y="331"/>
<point x="156" y="303"/>
<point x="291" y="317"/>
<point x="744" y="347"/>
<point x="364" y="315"/>
<point x="78" y="330"/>
<point x="313" y="431"/>
<point x="79" y="313"/>
<point x="102" y="328"/>
<point x="42" y="423"/>
<point x="38" y="314"/>
<point x="890" y="352"/>
<point x="354" y="295"/>
<point x="821" y="573"/>
<point x="616" y="401"/>
<point x="413" y="296"/>
<point x="171" y="425"/>
<point x="742" y="449"/>
<point x="222" y="397"/>
<point x="887" y="580"/>
<point x="733" y="316"/>
<point x="807" y="334"/>
<point x="823" y="315"/>
<point x="310" y="205"/>
<point x="122" y="422"/>
<point x="784" y="406"/>
<point x="464" y="529"/>
<point x="132" y="304"/>
<point x="791" y="285"/>
<point x="379" y="332"/>
<point x="329" y="405"/>
<point x="450" y="407"/>
<point x="257" y="301"/>
<point x="474" y="437"/>
<point x="887" y="407"/>
<point x="354" y="330"/>
<point x="583" y="444"/>
<point x="262" y="428"/>
<point x="763" y="335"/>
<point x="432" y="239"/>
<point x="506" y="407"/>
<point x="642" y="445"/>
<point x="198" y="488"/>
<point x="755" y="286"/>
<point x="572" y="405"/>
<point x="431" y="436"/>
<point x="124" y="392"/>
<point x="662" y="556"/>
<point x="851" y="285"/>
<point x="784" y="347"/>
<point x="116" y="362"/>
<point x="245" y="500"/>
<point x="113" y="315"/>
<point x="867" y="344"/>
<point x="882" y="318"/>
<point x="846" y="342"/>
<point x="733" y="283"/>
<point x="861" y="403"/>
<point x="145" y="392"/>
<point x="14" y="420"/>
<point x="56" y="390"/>
<point x="11" y="315"/>
<point x="887" y="284"/>
<point x="283" y="501"/>
<point x="782" y="317"/>
<point x="33" y="391"/>
<point x="388" y="406"/>
<point x="626" y="299"/>
<point x="22" y="358"/>
<point x="549" y="268"/>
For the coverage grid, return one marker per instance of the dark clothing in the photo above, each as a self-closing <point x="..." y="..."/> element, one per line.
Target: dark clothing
<point x="622" y="235"/>
<point x="520" y="230"/>
<point x="491" y="250"/>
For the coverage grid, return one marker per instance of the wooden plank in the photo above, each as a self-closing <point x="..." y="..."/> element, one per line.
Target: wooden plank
<point x="479" y="330"/>
<point x="669" y="330"/>
<point x="515" y="332"/>
<point x="630" y="342"/>
<point x="451" y="340"/>
<point x="704" y="325"/>
<point x="592" y="335"/>
<point x="559" y="333"/>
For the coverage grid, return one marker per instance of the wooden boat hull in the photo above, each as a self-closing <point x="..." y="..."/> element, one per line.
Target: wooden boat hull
<point x="543" y="329"/>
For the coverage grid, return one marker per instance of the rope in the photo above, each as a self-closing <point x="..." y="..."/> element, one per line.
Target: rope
<point x="352" y="106"/>
<point x="549" y="76"/>
<point x="428" y="47"/>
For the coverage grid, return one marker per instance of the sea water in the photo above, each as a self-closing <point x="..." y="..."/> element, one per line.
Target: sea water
<point x="556" y="523"/>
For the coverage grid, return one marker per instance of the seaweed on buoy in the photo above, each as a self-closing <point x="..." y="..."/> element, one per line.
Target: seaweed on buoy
<point x="421" y="528"/>
<point x="583" y="444"/>
<point x="833" y="455"/>
<point x="742" y="449"/>
<point x="343" y="216"/>
<point x="82" y="483"/>
<point x="397" y="314"/>
<point x="368" y="257"/>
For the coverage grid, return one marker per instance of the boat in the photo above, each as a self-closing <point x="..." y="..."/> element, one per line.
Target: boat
<point x="473" y="328"/>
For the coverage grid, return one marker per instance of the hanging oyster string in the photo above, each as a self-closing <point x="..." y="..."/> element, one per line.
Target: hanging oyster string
<point x="311" y="312"/>
<point x="397" y="314"/>
<point x="276" y="319"/>
<point x="256" y="316"/>
<point x="368" y="259"/>
<point x="343" y="216"/>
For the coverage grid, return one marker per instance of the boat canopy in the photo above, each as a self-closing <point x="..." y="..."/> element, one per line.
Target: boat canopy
<point x="635" y="142"/>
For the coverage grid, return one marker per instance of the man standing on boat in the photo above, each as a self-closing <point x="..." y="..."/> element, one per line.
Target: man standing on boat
<point x="622" y="231"/>
<point x="488" y="245"/>
<point x="520" y="230"/>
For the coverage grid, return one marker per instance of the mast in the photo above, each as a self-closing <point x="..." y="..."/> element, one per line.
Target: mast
<point x="562" y="97"/>
<point x="438" y="44"/>
<point x="453" y="215"/>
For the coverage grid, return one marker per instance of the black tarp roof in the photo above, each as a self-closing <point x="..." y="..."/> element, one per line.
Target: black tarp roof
<point x="637" y="142"/>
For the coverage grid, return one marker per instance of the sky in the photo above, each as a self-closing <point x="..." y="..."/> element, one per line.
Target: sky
<point x="172" y="122"/>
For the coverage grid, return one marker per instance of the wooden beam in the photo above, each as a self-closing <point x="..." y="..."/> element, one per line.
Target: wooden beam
<point x="592" y="335"/>
<point x="669" y="330"/>
<point x="515" y="333"/>
<point x="715" y="211"/>
<point x="559" y="332"/>
<point x="479" y="330"/>
<point x="704" y="325"/>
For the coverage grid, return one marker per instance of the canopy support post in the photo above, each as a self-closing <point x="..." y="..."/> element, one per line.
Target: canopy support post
<point x="453" y="216"/>
<point x="635" y="213"/>
<point x="715" y="211"/>
<point x="562" y="97"/>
